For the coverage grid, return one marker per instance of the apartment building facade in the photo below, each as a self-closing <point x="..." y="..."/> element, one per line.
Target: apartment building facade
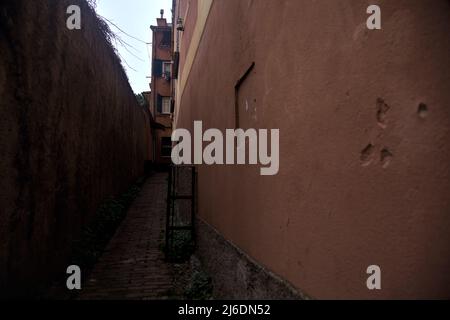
<point x="161" y="102"/>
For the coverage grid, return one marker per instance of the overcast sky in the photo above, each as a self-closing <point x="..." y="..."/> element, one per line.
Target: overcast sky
<point x="135" y="17"/>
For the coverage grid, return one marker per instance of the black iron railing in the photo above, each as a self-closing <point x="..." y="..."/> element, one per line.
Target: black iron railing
<point x="181" y="210"/>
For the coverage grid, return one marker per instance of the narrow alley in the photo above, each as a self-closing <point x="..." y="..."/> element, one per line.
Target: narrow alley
<point x="224" y="150"/>
<point x="133" y="265"/>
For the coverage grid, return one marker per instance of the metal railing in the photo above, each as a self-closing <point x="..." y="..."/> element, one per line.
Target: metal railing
<point x="181" y="210"/>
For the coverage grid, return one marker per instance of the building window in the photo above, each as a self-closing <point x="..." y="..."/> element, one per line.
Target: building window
<point x="166" y="147"/>
<point x="166" y="70"/>
<point x="166" y="105"/>
<point x="162" y="69"/>
<point x="166" y="39"/>
<point x="166" y="67"/>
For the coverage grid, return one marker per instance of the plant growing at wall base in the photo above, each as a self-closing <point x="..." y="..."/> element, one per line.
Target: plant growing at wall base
<point x="96" y="236"/>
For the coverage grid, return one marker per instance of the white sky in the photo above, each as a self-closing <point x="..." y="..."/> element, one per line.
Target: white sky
<point x="135" y="17"/>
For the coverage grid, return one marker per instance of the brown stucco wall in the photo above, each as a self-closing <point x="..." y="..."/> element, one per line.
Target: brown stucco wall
<point x="188" y="12"/>
<point x="71" y="135"/>
<point x="333" y="88"/>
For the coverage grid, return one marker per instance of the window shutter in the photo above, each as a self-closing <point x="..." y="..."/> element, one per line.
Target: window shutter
<point x="157" y="68"/>
<point x="176" y="63"/>
<point x="166" y="38"/>
<point x="159" y="104"/>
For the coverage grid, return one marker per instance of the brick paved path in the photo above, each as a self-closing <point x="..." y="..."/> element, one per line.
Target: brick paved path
<point x="133" y="265"/>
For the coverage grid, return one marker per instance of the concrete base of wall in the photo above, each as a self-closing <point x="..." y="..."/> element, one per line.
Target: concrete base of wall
<point x="235" y="275"/>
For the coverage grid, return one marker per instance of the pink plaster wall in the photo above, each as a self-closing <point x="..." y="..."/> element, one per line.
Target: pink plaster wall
<point x="325" y="81"/>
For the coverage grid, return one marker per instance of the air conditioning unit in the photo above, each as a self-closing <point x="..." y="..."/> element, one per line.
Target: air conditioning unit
<point x="180" y="24"/>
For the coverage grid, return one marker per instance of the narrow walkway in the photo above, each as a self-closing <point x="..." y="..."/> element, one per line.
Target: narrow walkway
<point x="133" y="265"/>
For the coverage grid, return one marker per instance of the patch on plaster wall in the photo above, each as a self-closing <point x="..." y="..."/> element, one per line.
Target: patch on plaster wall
<point x="255" y="113"/>
<point x="252" y="109"/>
<point x="382" y="110"/>
<point x="361" y="32"/>
<point x="367" y="155"/>
<point x="422" y="110"/>
<point x="237" y="88"/>
<point x="386" y="157"/>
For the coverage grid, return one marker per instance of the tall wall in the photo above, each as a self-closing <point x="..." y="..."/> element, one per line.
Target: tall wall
<point x="364" y="123"/>
<point x="71" y="135"/>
